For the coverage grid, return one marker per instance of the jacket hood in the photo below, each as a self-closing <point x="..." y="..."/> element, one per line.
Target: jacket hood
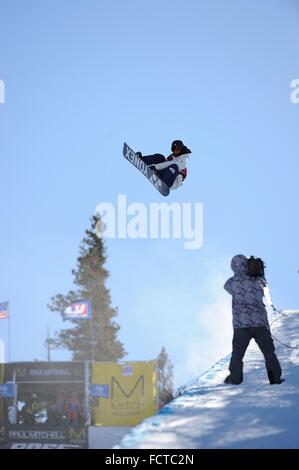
<point x="239" y="264"/>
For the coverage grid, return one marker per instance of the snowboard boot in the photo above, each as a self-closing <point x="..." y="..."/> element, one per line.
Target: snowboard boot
<point x="279" y="381"/>
<point x="272" y="380"/>
<point x="230" y="380"/>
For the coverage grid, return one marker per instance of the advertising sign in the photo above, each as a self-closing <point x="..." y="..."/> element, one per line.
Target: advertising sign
<point x="130" y="392"/>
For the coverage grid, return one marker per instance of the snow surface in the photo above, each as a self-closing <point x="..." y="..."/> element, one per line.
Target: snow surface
<point x="255" y="414"/>
<point x="105" y="437"/>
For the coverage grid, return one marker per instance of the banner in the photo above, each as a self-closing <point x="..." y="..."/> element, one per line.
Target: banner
<point x="49" y="371"/>
<point x="77" y="311"/>
<point x="50" y="409"/>
<point x="47" y="437"/>
<point x="127" y="392"/>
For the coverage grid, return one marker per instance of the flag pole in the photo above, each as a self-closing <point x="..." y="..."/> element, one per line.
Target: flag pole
<point x="9" y="334"/>
<point x="48" y="344"/>
<point x="91" y="336"/>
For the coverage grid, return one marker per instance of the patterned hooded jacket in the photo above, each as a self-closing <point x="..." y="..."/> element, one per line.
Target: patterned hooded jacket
<point x="248" y="296"/>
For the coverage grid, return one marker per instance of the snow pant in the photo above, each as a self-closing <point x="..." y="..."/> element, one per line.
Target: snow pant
<point x="263" y="338"/>
<point x="169" y="174"/>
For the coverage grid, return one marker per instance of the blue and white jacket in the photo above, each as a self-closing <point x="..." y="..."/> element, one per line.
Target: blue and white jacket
<point x="248" y="296"/>
<point x="180" y="161"/>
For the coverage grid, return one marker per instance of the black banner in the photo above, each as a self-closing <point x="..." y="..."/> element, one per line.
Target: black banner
<point x="46" y="437"/>
<point x="49" y="371"/>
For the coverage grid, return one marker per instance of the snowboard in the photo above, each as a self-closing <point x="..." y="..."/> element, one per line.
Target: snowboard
<point x="131" y="156"/>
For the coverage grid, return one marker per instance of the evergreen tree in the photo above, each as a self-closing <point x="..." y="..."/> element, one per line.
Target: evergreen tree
<point x="165" y="378"/>
<point x="94" y="339"/>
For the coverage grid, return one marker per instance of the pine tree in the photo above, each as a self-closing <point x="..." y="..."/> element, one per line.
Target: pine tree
<point x="165" y="378"/>
<point x="94" y="339"/>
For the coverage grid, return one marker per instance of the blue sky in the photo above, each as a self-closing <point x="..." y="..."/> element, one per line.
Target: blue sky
<point x="81" y="78"/>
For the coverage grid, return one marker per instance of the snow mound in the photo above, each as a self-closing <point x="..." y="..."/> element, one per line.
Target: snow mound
<point x="255" y="414"/>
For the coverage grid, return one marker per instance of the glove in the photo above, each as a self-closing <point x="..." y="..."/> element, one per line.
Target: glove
<point x="184" y="173"/>
<point x="153" y="168"/>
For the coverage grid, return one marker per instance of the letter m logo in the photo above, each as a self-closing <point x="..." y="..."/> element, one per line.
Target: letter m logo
<point x="128" y="393"/>
<point x="77" y="433"/>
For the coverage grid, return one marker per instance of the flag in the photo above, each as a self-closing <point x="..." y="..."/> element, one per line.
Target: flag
<point x="8" y="390"/>
<point x="99" y="390"/>
<point x="77" y="311"/>
<point x="3" y="310"/>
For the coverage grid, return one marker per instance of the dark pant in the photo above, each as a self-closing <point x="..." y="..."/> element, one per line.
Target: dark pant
<point x="169" y="174"/>
<point x="262" y="337"/>
<point x="153" y="159"/>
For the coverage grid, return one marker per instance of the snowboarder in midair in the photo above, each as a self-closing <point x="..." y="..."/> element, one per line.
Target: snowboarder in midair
<point x="250" y="319"/>
<point x="172" y="170"/>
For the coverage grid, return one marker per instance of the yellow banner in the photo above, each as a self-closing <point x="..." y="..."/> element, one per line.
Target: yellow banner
<point x="126" y="392"/>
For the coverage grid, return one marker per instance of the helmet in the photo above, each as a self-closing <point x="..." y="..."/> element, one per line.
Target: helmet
<point x="177" y="144"/>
